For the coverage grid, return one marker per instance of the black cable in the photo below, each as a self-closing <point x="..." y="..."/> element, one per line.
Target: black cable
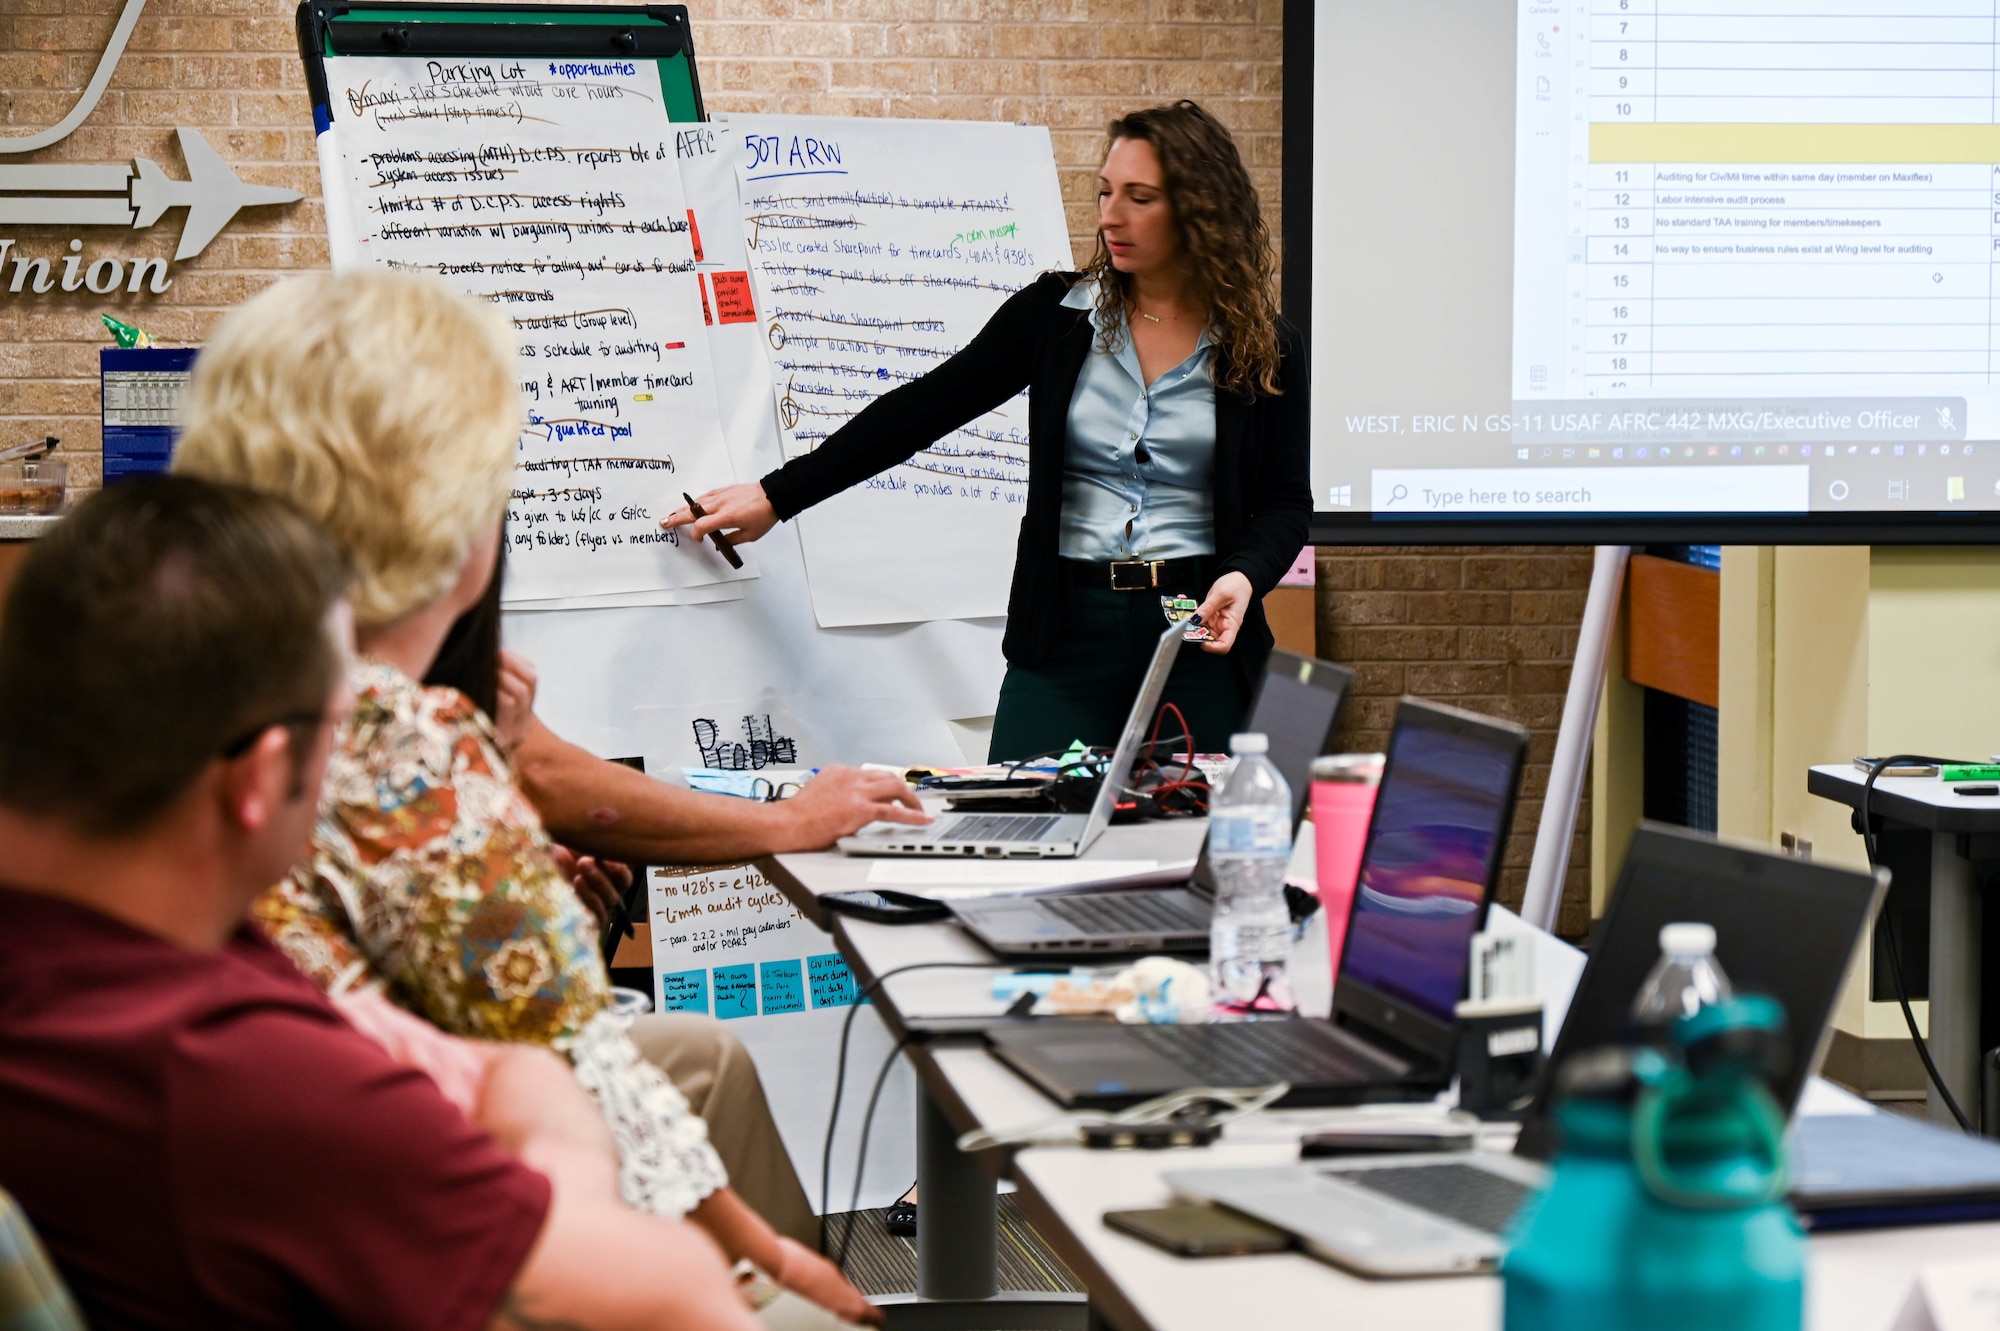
<point x="861" y="1154"/>
<point x="1885" y="926"/>
<point x="619" y="926"/>
<point x="840" y="1072"/>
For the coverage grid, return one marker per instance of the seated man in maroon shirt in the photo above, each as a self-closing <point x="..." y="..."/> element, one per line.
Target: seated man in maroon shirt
<point x="199" y="1137"/>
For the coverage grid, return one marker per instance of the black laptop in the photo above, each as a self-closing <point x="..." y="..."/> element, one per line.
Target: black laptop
<point x="1297" y="707"/>
<point x="1784" y="927"/>
<point x="1427" y="876"/>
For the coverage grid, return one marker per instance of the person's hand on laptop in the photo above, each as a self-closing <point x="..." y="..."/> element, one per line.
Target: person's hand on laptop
<point x="841" y="800"/>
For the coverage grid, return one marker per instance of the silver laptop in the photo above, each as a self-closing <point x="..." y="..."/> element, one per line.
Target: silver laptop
<point x="1427" y="874"/>
<point x="1784" y="927"/>
<point x="1297" y="706"/>
<point x="1034" y="836"/>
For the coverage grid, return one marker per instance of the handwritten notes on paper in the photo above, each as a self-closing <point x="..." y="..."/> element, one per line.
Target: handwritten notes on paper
<point x="880" y="248"/>
<point x="550" y="189"/>
<point x="728" y="931"/>
<point x="727" y="943"/>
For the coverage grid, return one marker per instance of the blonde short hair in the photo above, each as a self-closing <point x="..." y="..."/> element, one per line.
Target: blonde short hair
<point x="383" y="404"/>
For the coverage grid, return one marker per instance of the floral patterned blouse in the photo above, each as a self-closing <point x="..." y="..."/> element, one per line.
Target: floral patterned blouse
<point x="430" y="875"/>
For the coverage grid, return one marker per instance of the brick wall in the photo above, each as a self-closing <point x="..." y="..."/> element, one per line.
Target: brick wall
<point x="227" y="68"/>
<point x="1069" y="64"/>
<point x="1489" y="629"/>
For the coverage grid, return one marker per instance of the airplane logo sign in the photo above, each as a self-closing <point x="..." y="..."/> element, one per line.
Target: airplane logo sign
<point x="118" y="194"/>
<point x="135" y="196"/>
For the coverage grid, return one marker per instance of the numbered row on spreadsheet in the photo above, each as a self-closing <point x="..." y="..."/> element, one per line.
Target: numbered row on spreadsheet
<point x="1833" y="312"/>
<point x="1775" y="90"/>
<point x="1940" y="289"/>
<point x="1748" y="109"/>
<point x="1761" y="38"/>
<point x="1683" y="221"/>
<point x="1756" y="329"/>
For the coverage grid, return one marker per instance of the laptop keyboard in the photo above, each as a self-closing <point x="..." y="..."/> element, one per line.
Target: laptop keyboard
<point x="1131" y="913"/>
<point x="1001" y="827"/>
<point x="1477" y="1198"/>
<point x="1252" y="1053"/>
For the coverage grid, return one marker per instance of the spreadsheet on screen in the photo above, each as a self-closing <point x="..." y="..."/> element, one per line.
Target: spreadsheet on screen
<point x="1754" y="252"/>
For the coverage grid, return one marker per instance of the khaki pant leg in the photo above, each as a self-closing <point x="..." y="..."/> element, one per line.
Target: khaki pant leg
<point x="714" y="1071"/>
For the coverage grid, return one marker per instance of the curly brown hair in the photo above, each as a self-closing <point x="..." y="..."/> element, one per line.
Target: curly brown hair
<point x="1229" y="256"/>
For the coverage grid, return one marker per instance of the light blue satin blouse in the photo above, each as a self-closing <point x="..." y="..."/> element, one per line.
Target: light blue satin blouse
<point x="1139" y="461"/>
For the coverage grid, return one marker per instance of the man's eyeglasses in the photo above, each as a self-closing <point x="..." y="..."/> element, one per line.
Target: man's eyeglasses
<point x="239" y="746"/>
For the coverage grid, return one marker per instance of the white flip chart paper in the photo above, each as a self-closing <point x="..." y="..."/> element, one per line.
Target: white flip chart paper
<point x="550" y="189"/>
<point x="879" y="248"/>
<point x="726" y="943"/>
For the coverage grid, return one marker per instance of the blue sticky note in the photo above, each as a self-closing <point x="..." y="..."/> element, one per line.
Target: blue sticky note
<point x="784" y="989"/>
<point x="684" y="991"/>
<point x="735" y="991"/>
<point x="832" y="983"/>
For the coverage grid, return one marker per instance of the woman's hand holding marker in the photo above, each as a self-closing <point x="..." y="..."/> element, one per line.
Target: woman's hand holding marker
<point x="740" y="510"/>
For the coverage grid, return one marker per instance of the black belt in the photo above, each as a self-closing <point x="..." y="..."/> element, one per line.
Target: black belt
<point x="1141" y="575"/>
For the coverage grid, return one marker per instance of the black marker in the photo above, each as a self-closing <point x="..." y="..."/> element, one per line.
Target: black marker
<point x="721" y="541"/>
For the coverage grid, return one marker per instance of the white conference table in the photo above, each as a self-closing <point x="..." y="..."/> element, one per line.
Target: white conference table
<point x="1858" y="1282"/>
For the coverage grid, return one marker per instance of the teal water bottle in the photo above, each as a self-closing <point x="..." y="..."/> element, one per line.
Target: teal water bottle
<point x="1572" y="1248"/>
<point x="1666" y="1204"/>
<point x="1719" y="1245"/>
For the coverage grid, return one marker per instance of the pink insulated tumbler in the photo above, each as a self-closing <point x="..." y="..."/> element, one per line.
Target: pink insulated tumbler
<point x="1343" y="800"/>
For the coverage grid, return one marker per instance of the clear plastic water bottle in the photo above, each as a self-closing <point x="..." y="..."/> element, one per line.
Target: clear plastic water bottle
<point x="1249" y="844"/>
<point x="1683" y="981"/>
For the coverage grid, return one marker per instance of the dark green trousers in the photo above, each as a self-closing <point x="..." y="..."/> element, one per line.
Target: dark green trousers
<point x="1084" y="690"/>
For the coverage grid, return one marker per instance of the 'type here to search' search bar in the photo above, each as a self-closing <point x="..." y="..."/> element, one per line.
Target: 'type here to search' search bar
<point x="1738" y="489"/>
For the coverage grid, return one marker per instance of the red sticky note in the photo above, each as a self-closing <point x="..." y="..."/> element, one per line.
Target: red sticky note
<point x="732" y="298"/>
<point x="694" y="234"/>
<point x="707" y="314"/>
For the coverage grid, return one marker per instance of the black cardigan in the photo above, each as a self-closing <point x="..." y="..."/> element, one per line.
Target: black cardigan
<point x="1263" y="498"/>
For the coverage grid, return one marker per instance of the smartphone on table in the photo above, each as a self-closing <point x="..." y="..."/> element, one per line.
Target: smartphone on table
<point x="1199" y="1231"/>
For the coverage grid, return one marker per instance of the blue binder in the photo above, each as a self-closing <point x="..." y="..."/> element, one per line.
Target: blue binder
<point x="1876" y="1171"/>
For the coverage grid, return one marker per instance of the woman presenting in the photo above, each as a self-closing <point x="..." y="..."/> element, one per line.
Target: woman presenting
<point x="1167" y="446"/>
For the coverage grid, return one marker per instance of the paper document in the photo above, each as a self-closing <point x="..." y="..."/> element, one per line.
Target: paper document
<point x="727" y="944"/>
<point x="1953" y="1296"/>
<point x="550" y="190"/>
<point x="880" y="248"/>
<point x="710" y="595"/>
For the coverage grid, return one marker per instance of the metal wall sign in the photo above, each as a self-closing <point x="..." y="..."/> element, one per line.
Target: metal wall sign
<point x="132" y="195"/>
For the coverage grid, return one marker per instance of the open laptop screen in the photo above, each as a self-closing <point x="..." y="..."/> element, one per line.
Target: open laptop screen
<point x="1296" y="707"/>
<point x="1783" y="927"/>
<point x="1443" y="807"/>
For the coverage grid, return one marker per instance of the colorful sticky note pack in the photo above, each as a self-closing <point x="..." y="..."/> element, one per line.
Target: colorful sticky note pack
<point x="770" y="988"/>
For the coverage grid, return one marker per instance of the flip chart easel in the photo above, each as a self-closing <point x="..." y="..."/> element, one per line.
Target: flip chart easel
<point x="723" y="649"/>
<point x="658" y="33"/>
<point x="529" y="162"/>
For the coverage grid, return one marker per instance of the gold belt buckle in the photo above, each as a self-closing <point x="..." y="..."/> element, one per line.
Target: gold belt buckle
<point x="1151" y="574"/>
